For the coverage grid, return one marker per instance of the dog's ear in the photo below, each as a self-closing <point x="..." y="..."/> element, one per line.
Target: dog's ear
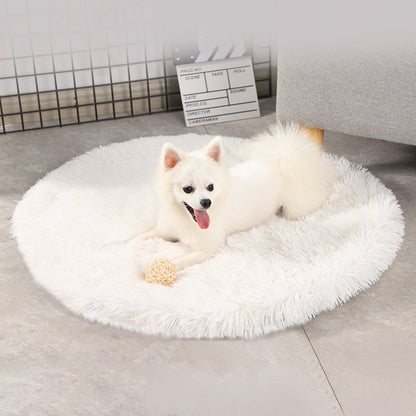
<point x="214" y="149"/>
<point x="170" y="156"/>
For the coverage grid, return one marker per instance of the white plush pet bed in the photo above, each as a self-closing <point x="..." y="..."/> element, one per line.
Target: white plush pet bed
<point x="73" y="227"/>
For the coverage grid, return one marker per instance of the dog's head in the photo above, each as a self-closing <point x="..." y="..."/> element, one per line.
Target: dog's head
<point x="196" y="179"/>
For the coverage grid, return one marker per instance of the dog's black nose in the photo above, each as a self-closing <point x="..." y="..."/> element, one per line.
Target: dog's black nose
<point x="205" y="203"/>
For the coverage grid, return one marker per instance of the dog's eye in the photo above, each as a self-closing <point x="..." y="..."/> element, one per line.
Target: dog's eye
<point x="188" y="189"/>
<point x="210" y="187"/>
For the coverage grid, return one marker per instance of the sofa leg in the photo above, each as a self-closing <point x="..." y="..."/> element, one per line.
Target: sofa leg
<point x="316" y="135"/>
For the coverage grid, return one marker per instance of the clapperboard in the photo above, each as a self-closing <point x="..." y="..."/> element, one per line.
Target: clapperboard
<point x="214" y="89"/>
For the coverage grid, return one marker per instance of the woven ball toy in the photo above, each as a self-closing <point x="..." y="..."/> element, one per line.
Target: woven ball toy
<point x="161" y="271"/>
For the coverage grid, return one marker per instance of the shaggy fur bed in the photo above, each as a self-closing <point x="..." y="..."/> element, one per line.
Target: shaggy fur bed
<point x="73" y="228"/>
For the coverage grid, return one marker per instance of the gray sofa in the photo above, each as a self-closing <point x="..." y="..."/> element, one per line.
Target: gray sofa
<point x="340" y="79"/>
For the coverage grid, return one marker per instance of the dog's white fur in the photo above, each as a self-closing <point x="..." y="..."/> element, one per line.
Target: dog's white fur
<point x="284" y="171"/>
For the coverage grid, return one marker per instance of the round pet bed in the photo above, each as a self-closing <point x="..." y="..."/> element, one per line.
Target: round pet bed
<point x="74" y="229"/>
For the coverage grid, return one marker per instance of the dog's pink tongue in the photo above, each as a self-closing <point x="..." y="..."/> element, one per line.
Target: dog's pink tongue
<point x="202" y="218"/>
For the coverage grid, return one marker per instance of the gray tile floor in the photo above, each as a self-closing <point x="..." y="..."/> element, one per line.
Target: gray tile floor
<point x="359" y="359"/>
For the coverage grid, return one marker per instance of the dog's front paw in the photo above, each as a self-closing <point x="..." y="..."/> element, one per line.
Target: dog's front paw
<point x="145" y="236"/>
<point x="191" y="259"/>
<point x="179" y="264"/>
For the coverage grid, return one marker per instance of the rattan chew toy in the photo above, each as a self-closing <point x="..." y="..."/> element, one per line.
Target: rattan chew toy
<point x="161" y="271"/>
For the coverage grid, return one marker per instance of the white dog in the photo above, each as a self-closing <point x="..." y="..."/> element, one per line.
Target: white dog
<point x="201" y="201"/>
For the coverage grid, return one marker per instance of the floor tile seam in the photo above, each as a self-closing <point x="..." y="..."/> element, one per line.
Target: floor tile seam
<point x="323" y="370"/>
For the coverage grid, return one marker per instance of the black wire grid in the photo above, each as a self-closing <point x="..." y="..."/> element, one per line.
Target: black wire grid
<point x="103" y="101"/>
<point x="65" y="65"/>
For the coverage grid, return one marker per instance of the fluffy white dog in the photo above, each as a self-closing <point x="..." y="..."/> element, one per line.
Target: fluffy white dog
<point x="201" y="201"/>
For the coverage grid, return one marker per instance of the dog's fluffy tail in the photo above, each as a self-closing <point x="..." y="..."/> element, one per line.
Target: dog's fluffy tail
<point x="306" y="173"/>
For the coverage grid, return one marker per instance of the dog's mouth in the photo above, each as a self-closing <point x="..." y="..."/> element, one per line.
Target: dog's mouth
<point x="200" y="217"/>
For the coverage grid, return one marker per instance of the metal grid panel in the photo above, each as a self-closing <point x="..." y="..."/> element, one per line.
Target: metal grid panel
<point x="49" y="78"/>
